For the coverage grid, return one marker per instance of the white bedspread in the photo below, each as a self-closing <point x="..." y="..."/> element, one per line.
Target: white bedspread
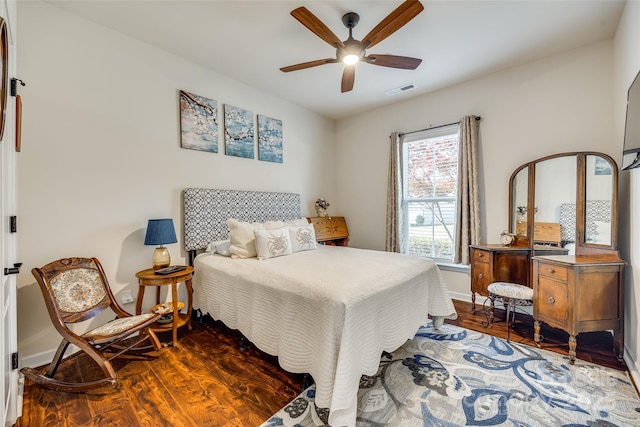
<point x="328" y="312"/>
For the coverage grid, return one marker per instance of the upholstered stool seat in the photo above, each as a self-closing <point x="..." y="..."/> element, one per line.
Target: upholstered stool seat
<point x="511" y="295"/>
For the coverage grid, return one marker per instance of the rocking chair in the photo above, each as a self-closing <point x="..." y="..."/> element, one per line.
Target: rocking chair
<point x="75" y="290"/>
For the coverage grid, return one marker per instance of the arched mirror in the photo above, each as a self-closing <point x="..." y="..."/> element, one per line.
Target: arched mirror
<point x="600" y="184"/>
<point x="555" y="202"/>
<point x="519" y="196"/>
<point x="571" y="201"/>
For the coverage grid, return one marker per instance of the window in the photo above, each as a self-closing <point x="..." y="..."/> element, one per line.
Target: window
<point x="430" y="178"/>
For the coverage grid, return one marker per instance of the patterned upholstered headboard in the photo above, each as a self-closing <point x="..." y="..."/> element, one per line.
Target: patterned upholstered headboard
<point x="206" y="211"/>
<point x="597" y="210"/>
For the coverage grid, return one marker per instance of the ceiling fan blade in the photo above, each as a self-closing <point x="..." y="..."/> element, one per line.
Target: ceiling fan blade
<point x="309" y="64"/>
<point x="348" y="78"/>
<point x="392" y="23"/>
<point x="314" y="24"/>
<point x="393" y="61"/>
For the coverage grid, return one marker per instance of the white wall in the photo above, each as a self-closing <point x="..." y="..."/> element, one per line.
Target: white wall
<point x="627" y="65"/>
<point x="101" y="152"/>
<point x="558" y="104"/>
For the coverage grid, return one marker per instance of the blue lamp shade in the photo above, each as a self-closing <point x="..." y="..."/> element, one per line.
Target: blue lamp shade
<point x="160" y="232"/>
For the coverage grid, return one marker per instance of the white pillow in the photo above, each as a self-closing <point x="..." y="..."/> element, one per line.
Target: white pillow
<point x="603" y="230"/>
<point x="303" y="238"/>
<point x="223" y="248"/>
<point x="272" y="243"/>
<point x="212" y="246"/>
<point x="297" y="222"/>
<point x="270" y="225"/>
<point x="243" y="242"/>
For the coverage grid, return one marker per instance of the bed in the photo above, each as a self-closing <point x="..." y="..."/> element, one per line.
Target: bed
<point x="328" y="311"/>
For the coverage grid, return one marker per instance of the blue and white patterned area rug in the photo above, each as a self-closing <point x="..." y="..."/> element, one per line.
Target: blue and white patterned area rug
<point x="457" y="377"/>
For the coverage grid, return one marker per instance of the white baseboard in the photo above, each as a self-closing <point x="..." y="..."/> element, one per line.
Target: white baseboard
<point x="633" y="367"/>
<point x="44" y="358"/>
<point x="20" y="397"/>
<point x="461" y="296"/>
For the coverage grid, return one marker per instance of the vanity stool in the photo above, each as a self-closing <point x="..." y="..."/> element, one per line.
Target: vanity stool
<point x="511" y="295"/>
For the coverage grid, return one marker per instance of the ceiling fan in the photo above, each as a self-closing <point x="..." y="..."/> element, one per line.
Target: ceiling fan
<point x="351" y="50"/>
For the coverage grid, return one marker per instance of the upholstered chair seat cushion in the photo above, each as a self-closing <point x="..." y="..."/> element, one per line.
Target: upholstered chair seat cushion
<point x="116" y="327"/>
<point x="511" y="290"/>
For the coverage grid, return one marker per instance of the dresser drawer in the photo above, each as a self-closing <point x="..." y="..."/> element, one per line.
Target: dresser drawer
<point x="481" y="256"/>
<point x="481" y="278"/>
<point x="551" y="299"/>
<point x="553" y="271"/>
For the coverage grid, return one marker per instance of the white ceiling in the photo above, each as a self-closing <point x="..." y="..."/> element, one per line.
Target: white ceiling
<point x="457" y="41"/>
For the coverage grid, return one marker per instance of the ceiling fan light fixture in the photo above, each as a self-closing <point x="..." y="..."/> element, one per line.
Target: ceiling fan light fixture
<point x="352" y="51"/>
<point x="350" y="59"/>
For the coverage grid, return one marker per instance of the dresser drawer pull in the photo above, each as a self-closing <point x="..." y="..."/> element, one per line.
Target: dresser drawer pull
<point x="551" y="271"/>
<point x="551" y="300"/>
<point x="480" y="255"/>
<point x="480" y="276"/>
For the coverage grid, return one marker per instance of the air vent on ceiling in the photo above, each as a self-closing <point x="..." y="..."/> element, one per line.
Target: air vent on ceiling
<point x="400" y="89"/>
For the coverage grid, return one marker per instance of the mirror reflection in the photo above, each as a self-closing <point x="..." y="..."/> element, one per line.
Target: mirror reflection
<point x="555" y="203"/>
<point x="519" y="197"/>
<point x="598" y="203"/>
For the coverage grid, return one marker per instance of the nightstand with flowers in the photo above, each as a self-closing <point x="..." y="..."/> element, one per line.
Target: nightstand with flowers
<point x="330" y="230"/>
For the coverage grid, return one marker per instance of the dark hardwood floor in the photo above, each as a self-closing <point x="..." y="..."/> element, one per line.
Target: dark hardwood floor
<point x="208" y="381"/>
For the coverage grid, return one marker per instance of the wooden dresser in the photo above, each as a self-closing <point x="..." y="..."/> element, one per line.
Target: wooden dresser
<point x="330" y="230"/>
<point x="579" y="294"/>
<point x="497" y="263"/>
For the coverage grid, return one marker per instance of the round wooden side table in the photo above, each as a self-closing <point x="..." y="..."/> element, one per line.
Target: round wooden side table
<point x="150" y="278"/>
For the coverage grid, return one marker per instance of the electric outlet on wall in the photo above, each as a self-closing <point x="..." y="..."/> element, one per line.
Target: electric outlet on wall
<point x="127" y="297"/>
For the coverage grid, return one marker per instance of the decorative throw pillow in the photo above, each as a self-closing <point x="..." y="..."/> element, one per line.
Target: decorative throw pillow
<point x="303" y="238"/>
<point x="297" y="222"/>
<point x="212" y="246"/>
<point x="272" y="243"/>
<point x="223" y="248"/>
<point x="243" y="242"/>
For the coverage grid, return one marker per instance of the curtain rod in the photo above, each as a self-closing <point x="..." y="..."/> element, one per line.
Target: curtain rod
<point x="433" y="127"/>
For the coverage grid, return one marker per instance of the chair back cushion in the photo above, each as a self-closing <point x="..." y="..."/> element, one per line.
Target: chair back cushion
<point x="74" y="289"/>
<point x="77" y="290"/>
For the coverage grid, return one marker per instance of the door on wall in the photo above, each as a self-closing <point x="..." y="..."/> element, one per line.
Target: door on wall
<point x="8" y="343"/>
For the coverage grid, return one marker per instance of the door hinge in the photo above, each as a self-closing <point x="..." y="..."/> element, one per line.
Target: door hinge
<point x="14" y="86"/>
<point x="13" y="270"/>
<point x="13" y="224"/>
<point x="14" y="360"/>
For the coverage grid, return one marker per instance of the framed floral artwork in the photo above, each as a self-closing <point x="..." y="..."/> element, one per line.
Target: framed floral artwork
<point x="198" y="122"/>
<point x="239" y="132"/>
<point x="269" y="139"/>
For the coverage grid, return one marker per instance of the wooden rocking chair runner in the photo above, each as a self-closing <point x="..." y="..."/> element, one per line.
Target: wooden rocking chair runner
<point x="75" y="290"/>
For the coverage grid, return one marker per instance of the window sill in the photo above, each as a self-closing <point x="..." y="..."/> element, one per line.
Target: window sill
<point x="460" y="268"/>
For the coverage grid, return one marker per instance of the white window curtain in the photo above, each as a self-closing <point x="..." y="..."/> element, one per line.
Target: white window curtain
<point x="468" y="204"/>
<point x="394" y="235"/>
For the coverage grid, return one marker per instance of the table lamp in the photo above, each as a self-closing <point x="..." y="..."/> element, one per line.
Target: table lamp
<point x="160" y="232"/>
